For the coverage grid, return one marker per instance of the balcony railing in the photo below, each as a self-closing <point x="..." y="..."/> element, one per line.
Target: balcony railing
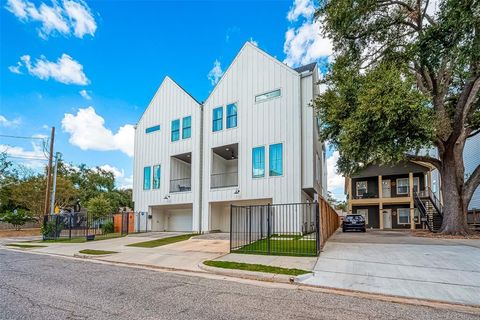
<point x="181" y="185"/>
<point x="223" y="180"/>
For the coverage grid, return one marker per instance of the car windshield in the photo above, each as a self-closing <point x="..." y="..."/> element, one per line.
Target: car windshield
<point x="354" y="218"/>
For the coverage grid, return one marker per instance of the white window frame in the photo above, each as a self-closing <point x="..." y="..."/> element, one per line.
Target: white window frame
<point x="356" y="187"/>
<point x="398" y="216"/>
<point x="267" y="97"/>
<point x="416" y="184"/>
<point x="398" y="184"/>
<point x="364" y="213"/>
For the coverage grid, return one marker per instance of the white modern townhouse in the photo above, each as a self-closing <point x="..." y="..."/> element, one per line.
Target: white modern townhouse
<point x="253" y="141"/>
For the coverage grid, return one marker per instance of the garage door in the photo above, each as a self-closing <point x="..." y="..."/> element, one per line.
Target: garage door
<point x="179" y="220"/>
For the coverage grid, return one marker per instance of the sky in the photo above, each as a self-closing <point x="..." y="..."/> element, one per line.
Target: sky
<point x="90" y="68"/>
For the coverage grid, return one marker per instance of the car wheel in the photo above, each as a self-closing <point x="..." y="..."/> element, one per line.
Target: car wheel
<point x="364" y="230"/>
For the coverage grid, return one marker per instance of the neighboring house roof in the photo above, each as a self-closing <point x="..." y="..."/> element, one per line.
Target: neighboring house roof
<point x="308" y="67"/>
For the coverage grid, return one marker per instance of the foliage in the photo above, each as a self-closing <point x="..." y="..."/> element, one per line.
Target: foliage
<point x="17" y="218"/>
<point x="107" y="227"/>
<point x="96" y="252"/>
<point x="254" y="267"/>
<point x="404" y="79"/>
<point x="51" y="229"/>
<point x="100" y="206"/>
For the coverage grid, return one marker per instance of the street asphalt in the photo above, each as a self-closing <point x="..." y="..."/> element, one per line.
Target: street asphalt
<point x="34" y="286"/>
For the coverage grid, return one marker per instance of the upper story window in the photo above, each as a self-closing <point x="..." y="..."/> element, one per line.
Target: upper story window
<point x="156" y="176"/>
<point x="187" y="127"/>
<point x="152" y="129"/>
<point x="267" y="96"/>
<point x="146" y="178"/>
<point x="217" y="119"/>
<point x="258" y="162"/>
<point x="416" y="184"/>
<point x="402" y="186"/>
<point x="232" y="115"/>
<point x="276" y="159"/>
<point x="361" y="188"/>
<point x="175" y="130"/>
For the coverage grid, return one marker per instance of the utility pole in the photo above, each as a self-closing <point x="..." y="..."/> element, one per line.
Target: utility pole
<point x="49" y="172"/>
<point x="52" y="204"/>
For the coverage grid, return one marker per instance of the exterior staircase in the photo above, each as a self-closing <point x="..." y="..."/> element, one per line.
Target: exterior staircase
<point x="430" y="208"/>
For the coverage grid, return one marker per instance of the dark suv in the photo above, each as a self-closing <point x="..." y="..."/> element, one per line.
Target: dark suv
<point x="353" y="222"/>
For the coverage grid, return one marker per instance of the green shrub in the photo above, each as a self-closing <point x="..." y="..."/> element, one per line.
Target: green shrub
<point x="17" y="218"/>
<point x="51" y="230"/>
<point x="107" y="227"/>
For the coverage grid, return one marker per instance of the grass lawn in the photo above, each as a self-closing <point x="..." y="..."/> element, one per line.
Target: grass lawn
<point x="83" y="239"/>
<point x="286" y="247"/>
<point x="163" y="241"/>
<point x="96" y="252"/>
<point x="25" y="246"/>
<point x="254" y="267"/>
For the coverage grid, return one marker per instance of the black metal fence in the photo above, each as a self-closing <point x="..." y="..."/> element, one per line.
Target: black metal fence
<point x="83" y="225"/>
<point x="276" y="229"/>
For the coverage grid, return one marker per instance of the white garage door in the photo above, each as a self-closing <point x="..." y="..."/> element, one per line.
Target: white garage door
<point x="179" y="220"/>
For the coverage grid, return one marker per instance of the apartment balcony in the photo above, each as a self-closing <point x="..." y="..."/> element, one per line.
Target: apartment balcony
<point x="181" y="173"/>
<point x="224" y="167"/>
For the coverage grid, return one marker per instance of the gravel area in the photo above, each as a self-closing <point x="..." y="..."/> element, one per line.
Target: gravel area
<point x="44" y="287"/>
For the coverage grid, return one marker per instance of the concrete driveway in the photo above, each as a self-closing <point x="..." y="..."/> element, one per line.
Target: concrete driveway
<point x="398" y="263"/>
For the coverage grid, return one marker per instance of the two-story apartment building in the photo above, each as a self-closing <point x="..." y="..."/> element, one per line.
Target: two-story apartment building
<point x="385" y="195"/>
<point x="253" y="141"/>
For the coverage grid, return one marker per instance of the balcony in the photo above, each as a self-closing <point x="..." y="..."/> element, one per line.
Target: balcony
<point x="224" y="167"/>
<point x="181" y="172"/>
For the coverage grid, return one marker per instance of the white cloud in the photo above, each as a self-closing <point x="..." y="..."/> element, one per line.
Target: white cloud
<point x="16" y="69"/>
<point x="85" y="94"/>
<point x="303" y="8"/>
<point x="126" y="183"/>
<point x="116" y="172"/>
<point x="335" y="181"/>
<point x="62" y="18"/>
<point x="303" y="41"/>
<point x="87" y="131"/>
<point x="66" y="70"/>
<point x="216" y="73"/>
<point x="34" y="158"/>
<point x="4" y="122"/>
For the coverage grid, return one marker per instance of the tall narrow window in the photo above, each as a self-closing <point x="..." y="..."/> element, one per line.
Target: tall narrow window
<point x="175" y="130"/>
<point x="146" y="178"/>
<point x="402" y="186"/>
<point x="258" y="162"/>
<point x="362" y="188"/>
<point x="217" y="119"/>
<point x="187" y="127"/>
<point x="232" y="115"/>
<point x="156" y="177"/>
<point x="416" y="184"/>
<point x="276" y="159"/>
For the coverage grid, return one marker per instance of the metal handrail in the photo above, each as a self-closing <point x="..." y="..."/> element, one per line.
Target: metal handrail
<point x="223" y="180"/>
<point x="181" y="185"/>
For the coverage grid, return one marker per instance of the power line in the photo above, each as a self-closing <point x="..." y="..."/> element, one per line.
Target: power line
<point x="27" y="158"/>
<point x="22" y="137"/>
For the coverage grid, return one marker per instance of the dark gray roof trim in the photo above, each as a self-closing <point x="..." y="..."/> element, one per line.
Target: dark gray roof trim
<point x="308" y="67"/>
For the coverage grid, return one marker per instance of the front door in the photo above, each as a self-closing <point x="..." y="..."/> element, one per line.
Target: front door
<point x="386" y="188"/>
<point x="387" y="218"/>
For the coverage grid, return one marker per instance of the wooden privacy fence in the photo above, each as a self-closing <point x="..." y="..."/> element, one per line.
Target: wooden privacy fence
<point x="329" y="221"/>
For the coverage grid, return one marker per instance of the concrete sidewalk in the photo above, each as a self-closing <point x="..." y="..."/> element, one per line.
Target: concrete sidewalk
<point x="416" y="268"/>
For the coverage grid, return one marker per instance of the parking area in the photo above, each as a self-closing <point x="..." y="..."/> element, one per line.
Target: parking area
<point x="401" y="264"/>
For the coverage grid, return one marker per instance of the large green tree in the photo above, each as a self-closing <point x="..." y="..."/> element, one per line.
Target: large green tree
<point x="406" y="77"/>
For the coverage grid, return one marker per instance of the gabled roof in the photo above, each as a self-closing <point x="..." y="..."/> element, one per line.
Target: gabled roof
<point x="308" y="67"/>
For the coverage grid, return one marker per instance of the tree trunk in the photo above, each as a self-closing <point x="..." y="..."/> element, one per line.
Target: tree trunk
<point x="452" y="182"/>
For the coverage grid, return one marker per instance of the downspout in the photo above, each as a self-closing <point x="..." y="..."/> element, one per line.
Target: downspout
<point x="200" y="202"/>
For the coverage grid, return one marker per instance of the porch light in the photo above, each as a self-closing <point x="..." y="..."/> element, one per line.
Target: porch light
<point x="237" y="191"/>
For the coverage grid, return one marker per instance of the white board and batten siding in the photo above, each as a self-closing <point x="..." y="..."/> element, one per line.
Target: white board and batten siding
<point x="169" y="103"/>
<point x="277" y="120"/>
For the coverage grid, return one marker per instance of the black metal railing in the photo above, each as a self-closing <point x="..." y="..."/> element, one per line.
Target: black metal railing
<point x="181" y="185"/>
<point x="278" y="229"/>
<point x="223" y="180"/>
<point x="428" y="193"/>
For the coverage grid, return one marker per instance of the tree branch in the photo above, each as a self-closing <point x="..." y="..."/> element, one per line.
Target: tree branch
<point x="471" y="185"/>
<point x="473" y="134"/>
<point x="436" y="162"/>
<point x="464" y="104"/>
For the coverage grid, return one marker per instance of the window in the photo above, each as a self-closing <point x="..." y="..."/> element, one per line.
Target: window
<point x="403" y="215"/>
<point x="175" y="130"/>
<point x="364" y="214"/>
<point x="146" y="178"/>
<point x="318" y="168"/>
<point x="402" y="186"/>
<point x="156" y="177"/>
<point x="416" y="184"/>
<point x="361" y="188"/>
<point x="258" y="162"/>
<point x="217" y="119"/>
<point x="152" y="129"/>
<point x="267" y="96"/>
<point x="232" y="115"/>
<point x="276" y="161"/>
<point x="187" y="127"/>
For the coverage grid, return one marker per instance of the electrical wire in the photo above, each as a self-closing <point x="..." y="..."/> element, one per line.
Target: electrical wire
<point x="21" y="137"/>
